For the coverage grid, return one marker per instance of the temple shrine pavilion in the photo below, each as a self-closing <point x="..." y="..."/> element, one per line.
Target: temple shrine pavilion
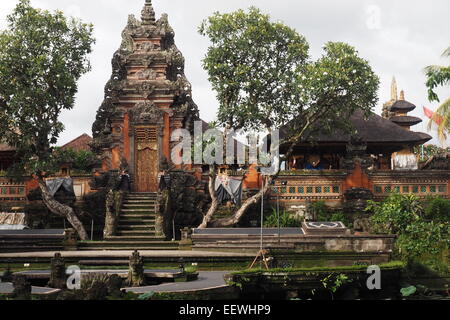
<point x="378" y="156"/>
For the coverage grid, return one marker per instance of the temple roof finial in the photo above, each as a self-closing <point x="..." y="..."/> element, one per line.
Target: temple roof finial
<point x="148" y="13"/>
<point x="402" y="95"/>
<point x="394" y="90"/>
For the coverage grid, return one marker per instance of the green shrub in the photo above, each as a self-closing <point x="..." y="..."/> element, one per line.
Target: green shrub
<point x="81" y="161"/>
<point x="437" y="209"/>
<point x="286" y="220"/>
<point x="418" y="237"/>
<point x="396" y="213"/>
<point x="320" y="211"/>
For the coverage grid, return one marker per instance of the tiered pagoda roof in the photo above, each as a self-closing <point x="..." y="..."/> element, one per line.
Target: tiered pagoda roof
<point x="380" y="134"/>
<point x="406" y="120"/>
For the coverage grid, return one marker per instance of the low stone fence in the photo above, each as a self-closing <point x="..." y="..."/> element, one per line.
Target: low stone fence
<point x="294" y="241"/>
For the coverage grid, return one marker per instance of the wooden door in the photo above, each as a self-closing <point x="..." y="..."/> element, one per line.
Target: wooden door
<point x="147" y="159"/>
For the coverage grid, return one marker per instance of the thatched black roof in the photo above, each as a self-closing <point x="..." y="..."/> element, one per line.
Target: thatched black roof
<point x="403" y="105"/>
<point x="406" y="120"/>
<point x="373" y="130"/>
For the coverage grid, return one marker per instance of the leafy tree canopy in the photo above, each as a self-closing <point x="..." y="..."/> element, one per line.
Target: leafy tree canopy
<point x="42" y="56"/>
<point x="265" y="78"/>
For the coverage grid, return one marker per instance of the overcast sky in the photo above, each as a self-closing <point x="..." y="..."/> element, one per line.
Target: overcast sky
<point x="398" y="37"/>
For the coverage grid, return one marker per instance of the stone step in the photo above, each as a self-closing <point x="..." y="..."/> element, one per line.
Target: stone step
<point x="118" y="243"/>
<point x="136" y="233"/>
<point x="142" y="193"/>
<point x="137" y="216"/>
<point x="131" y="211"/>
<point x="138" y="206"/>
<point x="153" y="198"/>
<point x="133" y="227"/>
<point x="136" y="238"/>
<point x="30" y="248"/>
<point x="131" y="248"/>
<point x="136" y="222"/>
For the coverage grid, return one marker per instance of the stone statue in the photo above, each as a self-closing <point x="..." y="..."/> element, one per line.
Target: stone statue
<point x="22" y="288"/>
<point x="136" y="275"/>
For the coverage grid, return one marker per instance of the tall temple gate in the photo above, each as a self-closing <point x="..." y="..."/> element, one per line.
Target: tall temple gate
<point x="147" y="97"/>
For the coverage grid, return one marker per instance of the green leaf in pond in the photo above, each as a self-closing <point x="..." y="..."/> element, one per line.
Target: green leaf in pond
<point x="408" y="291"/>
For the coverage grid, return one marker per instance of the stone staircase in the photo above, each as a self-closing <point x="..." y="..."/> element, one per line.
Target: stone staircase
<point x="136" y="227"/>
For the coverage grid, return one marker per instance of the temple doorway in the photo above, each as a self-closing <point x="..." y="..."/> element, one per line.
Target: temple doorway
<point x="147" y="159"/>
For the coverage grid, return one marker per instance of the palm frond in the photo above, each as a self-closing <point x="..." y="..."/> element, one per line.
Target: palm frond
<point x="434" y="69"/>
<point x="442" y="113"/>
<point x="446" y="53"/>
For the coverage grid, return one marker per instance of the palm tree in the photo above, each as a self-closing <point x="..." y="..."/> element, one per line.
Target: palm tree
<point x="439" y="76"/>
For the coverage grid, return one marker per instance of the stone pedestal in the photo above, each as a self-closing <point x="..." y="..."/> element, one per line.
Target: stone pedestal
<point x="355" y="205"/>
<point x="186" y="239"/>
<point x="70" y="242"/>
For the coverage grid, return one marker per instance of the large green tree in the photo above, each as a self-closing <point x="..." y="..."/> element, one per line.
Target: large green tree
<point x="439" y="76"/>
<point x="265" y="79"/>
<point x="42" y="56"/>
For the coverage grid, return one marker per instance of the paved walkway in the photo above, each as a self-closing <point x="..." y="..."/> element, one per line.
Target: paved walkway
<point x="206" y="281"/>
<point x="127" y="254"/>
<point x="7" y="288"/>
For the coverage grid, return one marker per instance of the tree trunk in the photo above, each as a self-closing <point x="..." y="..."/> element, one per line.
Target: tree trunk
<point x="233" y="220"/>
<point x="62" y="210"/>
<point x="214" y="205"/>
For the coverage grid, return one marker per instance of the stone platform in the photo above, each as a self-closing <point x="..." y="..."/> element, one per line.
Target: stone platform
<point x="31" y="240"/>
<point x="121" y="258"/>
<point x="312" y="237"/>
<point x="149" y="274"/>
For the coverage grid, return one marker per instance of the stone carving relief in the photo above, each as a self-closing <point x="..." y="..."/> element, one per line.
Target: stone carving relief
<point x="146" y="112"/>
<point x="356" y="151"/>
<point x="146" y="74"/>
<point x="146" y="47"/>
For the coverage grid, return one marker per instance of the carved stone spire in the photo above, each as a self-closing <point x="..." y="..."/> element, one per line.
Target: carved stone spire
<point x="394" y="90"/>
<point x="148" y="13"/>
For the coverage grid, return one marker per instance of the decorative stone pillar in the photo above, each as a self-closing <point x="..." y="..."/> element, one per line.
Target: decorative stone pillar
<point x="58" y="277"/>
<point x="186" y="239"/>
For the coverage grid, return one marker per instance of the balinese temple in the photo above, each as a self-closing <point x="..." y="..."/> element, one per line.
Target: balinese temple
<point x="377" y="157"/>
<point x="147" y="97"/>
<point x="386" y="139"/>
<point x="396" y="110"/>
